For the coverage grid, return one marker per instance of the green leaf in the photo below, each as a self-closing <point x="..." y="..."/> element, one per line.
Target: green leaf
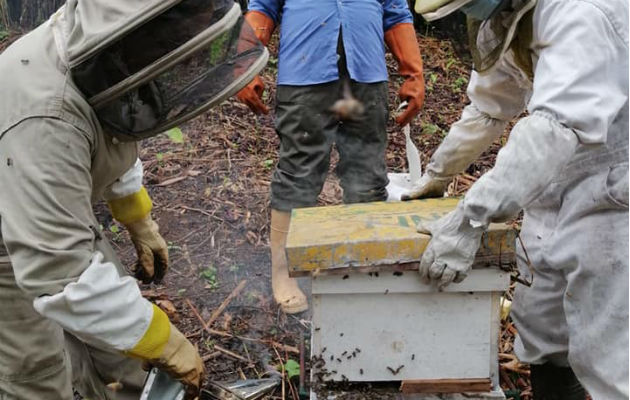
<point x="292" y="368"/>
<point x="176" y="135"/>
<point x="267" y="163"/>
<point x="430" y="129"/>
<point x="210" y="276"/>
<point x="114" y="229"/>
<point x="4" y="35"/>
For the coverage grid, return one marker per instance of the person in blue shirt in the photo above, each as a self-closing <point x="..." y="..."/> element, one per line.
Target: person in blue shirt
<point x="330" y="50"/>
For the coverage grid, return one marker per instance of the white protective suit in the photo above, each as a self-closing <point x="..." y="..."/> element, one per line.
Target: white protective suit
<point x="566" y="165"/>
<point x="58" y="277"/>
<point x="79" y="91"/>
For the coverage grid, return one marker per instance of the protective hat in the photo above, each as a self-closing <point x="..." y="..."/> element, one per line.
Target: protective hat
<point x="478" y="9"/>
<point x="146" y="66"/>
<point x="432" y="10"/>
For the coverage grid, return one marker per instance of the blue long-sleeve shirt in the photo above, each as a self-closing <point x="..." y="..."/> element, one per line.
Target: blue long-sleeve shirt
<point x="309" y="31"/>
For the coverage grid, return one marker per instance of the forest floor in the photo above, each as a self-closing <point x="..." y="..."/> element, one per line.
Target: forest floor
<point x="210" y="189"/>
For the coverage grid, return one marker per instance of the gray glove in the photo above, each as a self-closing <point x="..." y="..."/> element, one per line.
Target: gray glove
<point x="451" y="251"/>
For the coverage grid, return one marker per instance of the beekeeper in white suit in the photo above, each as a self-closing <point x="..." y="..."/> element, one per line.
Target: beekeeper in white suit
<point x="79" y="92"/>
<point x="565" y="164"/>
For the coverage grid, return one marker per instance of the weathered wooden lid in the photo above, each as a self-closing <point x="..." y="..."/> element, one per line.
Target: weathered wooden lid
<point x="376" y="234"/>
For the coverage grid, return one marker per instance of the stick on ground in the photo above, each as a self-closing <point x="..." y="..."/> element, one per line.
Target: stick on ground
<point x="225" y="303"/>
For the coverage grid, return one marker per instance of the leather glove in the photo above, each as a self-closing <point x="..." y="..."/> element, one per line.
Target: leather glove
<point x="163" y="346"/>
<point x="251" y="95"/>
<point x="134" y="212"/>
<point x="452" y="249"/>
<point x="402" y="42"/>
<point x="180" y="359"/>
<point x="151" y="249"/>
<point x="426" y="187"/>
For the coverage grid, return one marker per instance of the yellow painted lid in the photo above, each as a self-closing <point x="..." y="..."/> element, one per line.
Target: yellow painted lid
<point x="373" y="234"/>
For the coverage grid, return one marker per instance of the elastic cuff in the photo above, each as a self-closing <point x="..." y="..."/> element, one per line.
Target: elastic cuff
<point x="131" y="208"/>
<point x="151" y="345"/>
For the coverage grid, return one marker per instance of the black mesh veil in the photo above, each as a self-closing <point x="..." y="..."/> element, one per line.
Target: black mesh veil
<point x="170" y="69"/>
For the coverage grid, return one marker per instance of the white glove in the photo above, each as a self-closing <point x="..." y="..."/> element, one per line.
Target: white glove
<point x="466" y="140"/>
<point x="451" y="251"/>
<point x="426" y="186"/>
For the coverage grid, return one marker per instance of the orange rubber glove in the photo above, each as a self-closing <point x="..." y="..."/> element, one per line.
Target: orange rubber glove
<point x="251" y="95"/>
<point x="402" y="42"/>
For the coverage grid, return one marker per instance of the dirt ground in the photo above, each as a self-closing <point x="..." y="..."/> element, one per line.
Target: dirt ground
<point x="211" y="194"/>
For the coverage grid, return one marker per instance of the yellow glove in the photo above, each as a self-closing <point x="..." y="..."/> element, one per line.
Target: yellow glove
<point x="134" y="212"/>
<point x="165" y="347"/>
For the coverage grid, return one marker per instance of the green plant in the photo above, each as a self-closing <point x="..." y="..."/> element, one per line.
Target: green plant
<point x="4" y="35"/>
<point x="450" y="63"/>
<point x="433" y="77"/>
<point x="209" y="344"/>
<point x="176" y="135"/>
<point x="267" y="163"/>
<point x="429" y="128"/>
<point x="292" y="368"/>
<point x="115" y="230"/>
<point x="210" y="276"/>
<point x="459" y="84"/>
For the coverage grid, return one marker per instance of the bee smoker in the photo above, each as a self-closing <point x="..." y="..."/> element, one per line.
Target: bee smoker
<point x="160" y="386"/>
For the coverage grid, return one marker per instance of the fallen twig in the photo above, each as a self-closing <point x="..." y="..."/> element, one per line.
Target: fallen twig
<point x="231" y="354"/>
<point x="210" y="356"/>
<point x="282" y="369"/>
<point x="225" y="303"/>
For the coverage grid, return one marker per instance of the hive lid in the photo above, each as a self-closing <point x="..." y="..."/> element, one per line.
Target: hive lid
<point x="375" y="234"/>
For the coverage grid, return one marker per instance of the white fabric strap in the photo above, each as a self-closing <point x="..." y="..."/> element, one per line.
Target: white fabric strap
<point x="129" y="183"/>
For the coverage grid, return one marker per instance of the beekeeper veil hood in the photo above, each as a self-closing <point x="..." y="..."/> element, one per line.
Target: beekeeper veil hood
<point x="494" y="27"/>
<point x="148" y="65"/>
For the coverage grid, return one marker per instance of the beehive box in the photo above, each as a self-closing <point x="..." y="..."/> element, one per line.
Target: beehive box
<point x="373" y="320"/>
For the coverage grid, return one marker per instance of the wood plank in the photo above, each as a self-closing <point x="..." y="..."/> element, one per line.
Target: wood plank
<point x="446" y="386"/>
<point x="376" y="234"/>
